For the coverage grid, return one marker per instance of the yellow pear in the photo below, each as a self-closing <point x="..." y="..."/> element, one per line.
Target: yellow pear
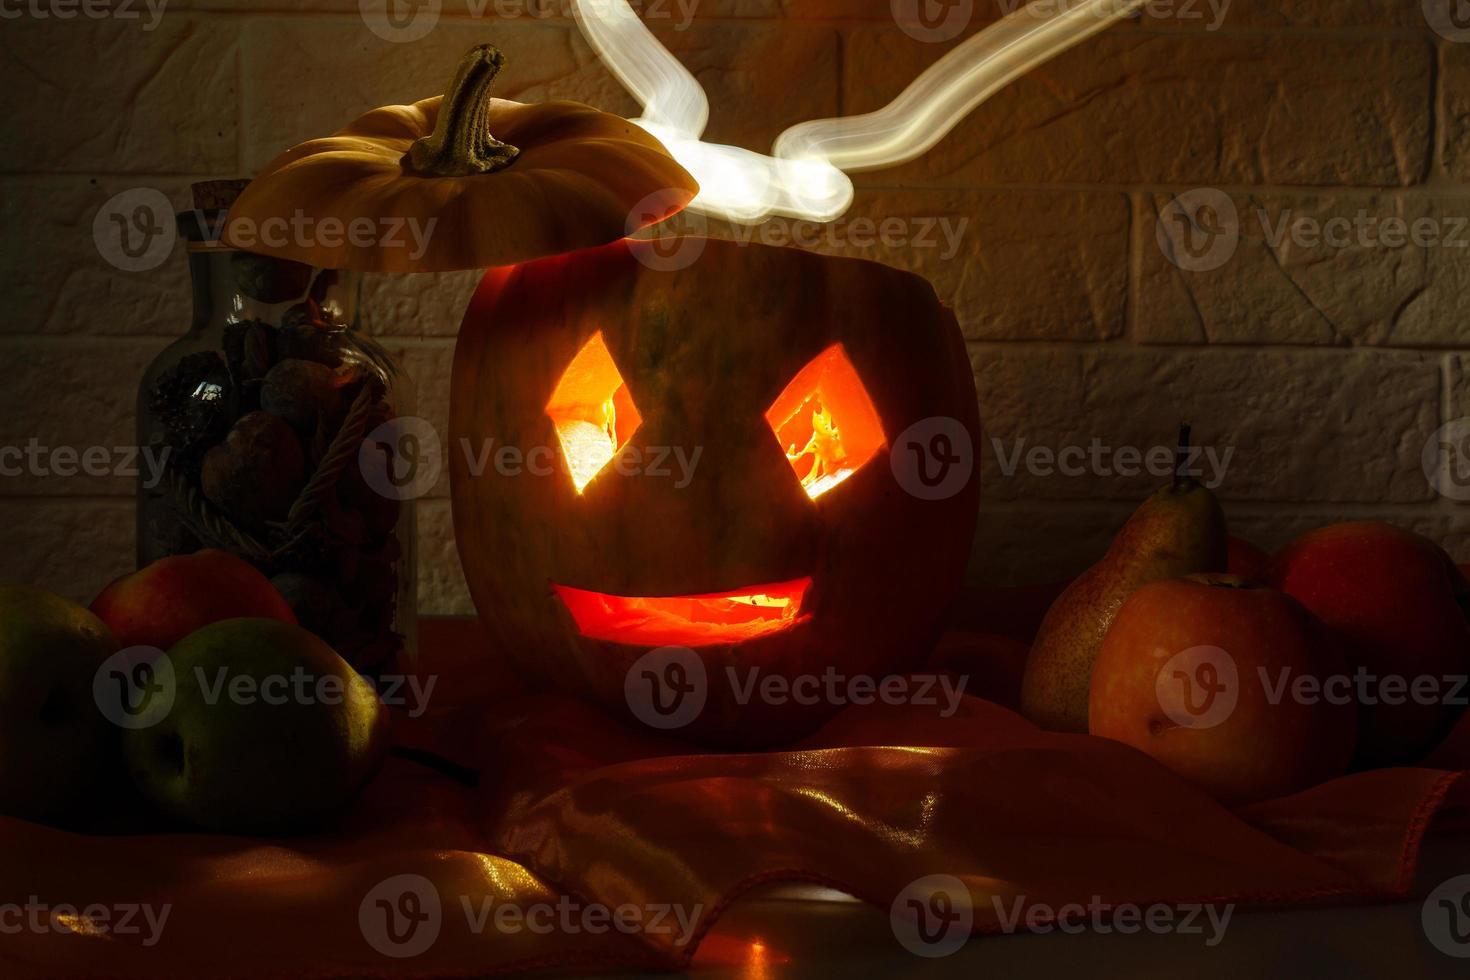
<point x="1179" y="530"/>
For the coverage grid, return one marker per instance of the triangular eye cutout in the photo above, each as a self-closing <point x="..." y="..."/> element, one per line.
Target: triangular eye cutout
<point x="593" y="413"/>
<point x="826" y="422"/>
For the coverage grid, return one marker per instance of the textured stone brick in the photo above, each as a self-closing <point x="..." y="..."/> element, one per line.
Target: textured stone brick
<point x="72" y="547"/>
<point x="107" y="96"/>
<point x="57" y="281"/>
<point x="1203" y="15"/>
<point x="68" y="398"/>
<point x="1457" y="373"/>
<point x="1156" y="15"/>
<point x="428" y="305"/>
<point x="1448" y="461"/>
<point x="442" y="589"/>
<point x="1304" y="426"/>
<point x="1017" y="265"/>
<point x="1455" y="89"/>
<point x="496" y="11"/>
<point x="495" y="14"/>
<point x="1022" y="543"/>
<point x="344" y="70"/>
<point x="1324" y="269"/>
<point x="428" y="366"/>
<point x="1211" y="15"/>
<point x="1129" y="108"/>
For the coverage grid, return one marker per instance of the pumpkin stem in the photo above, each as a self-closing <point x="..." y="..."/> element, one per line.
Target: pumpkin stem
<point x="461" y="144"/>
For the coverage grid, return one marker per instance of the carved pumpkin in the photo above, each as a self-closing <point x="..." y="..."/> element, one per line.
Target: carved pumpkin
<point x="791" y="545"/>
<point x="461" y="181"/>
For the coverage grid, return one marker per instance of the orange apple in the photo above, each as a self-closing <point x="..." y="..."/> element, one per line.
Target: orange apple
<point x="1233" y="686"/>
<point x="159" y="605"/>
<point x="1397" y="605"/>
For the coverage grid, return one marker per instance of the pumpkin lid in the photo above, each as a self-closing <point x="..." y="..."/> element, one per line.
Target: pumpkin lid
<point x="460" y="181"/>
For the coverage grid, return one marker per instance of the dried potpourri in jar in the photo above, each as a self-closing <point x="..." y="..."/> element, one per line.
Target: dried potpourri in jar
<point x="273" y="415"/>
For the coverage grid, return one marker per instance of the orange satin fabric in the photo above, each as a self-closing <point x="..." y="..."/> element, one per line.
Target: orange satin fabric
<point x="571" y="802"/>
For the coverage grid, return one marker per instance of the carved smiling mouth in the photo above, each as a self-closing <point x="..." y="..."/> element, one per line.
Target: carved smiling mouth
<point x="687" y="620"/>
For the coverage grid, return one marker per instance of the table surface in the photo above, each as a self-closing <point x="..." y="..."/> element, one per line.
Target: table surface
<point x="787" y="933"/>
<point x="783" y="933"/>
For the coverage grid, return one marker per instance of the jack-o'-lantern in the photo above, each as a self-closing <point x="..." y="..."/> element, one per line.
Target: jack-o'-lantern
<point x="742" y="457"/>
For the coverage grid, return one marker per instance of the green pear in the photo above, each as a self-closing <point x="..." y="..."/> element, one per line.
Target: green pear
<point x="263" y="729"/>
<point x="1177" y="531"/>
<point x="56" y="747"/>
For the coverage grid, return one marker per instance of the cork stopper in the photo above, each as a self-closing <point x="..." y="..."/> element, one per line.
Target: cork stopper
<point x="216" y="195"/>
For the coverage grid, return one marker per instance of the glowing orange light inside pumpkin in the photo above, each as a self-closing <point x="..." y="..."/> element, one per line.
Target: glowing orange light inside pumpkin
<point x="592" y="410"/>
<point x="687" y="620"/>
<point x="826" y="422"/>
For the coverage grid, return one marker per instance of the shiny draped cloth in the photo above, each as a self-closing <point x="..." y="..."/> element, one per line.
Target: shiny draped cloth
<point x="574" y="808"/>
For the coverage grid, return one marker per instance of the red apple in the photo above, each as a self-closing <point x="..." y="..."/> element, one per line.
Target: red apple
<point x="159" y="605"/>
<point x="1228" y="684"/>
<point x="1397" y="604"/>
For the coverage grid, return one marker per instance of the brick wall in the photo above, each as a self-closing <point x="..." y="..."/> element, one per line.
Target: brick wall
<point x="1324" y="366"/>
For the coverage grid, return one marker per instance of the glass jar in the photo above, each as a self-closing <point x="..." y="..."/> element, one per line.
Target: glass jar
<point x="269" y="411"/>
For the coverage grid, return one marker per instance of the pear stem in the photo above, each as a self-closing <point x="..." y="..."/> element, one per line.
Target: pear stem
<point x="1181" y="459"/>
<point x="461" y="144"/>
